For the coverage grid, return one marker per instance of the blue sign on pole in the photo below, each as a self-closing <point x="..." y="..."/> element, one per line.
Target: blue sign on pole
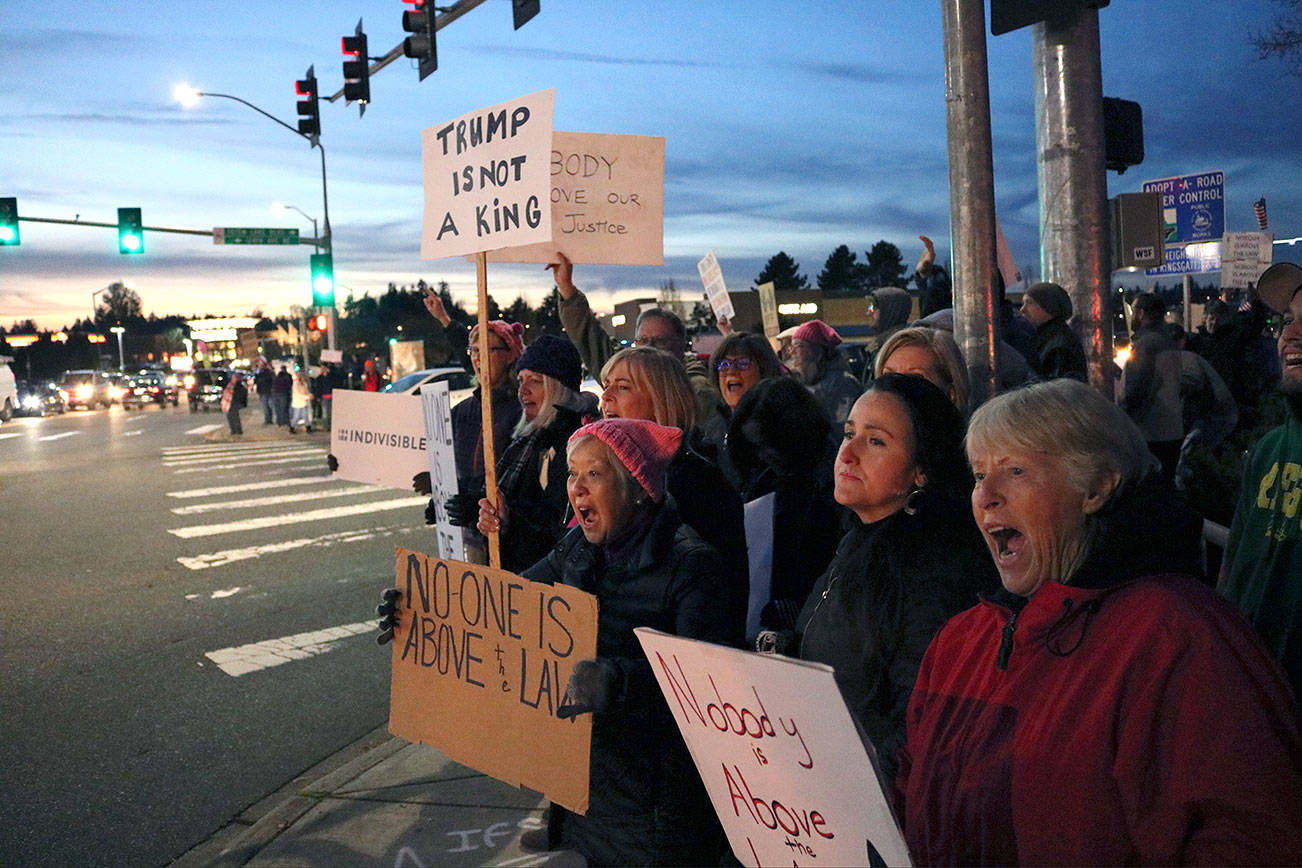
<point x="1193" y="206"/>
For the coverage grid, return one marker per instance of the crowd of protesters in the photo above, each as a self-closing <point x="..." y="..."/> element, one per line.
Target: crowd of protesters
<point x="1012" y="595"/>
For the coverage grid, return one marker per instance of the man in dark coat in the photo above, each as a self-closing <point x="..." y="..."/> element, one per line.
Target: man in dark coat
<point x="1058" y="352"/>
<point x="235" y="397"/>
<point x="262" y="381"/>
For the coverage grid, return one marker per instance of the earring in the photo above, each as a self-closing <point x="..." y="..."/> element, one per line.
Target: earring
<point x="911" y="502"/>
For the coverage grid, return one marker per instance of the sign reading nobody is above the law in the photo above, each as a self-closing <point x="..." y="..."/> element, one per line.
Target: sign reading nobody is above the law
<point x="487" y="178"/>
<point x="607" y="197"/>
<point x="780" y="756"/>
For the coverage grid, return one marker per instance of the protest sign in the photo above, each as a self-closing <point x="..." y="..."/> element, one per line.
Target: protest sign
<point x="436" y="404"/>
<point x="378" y="438"/>
<point x="487" y="178"/>
<point x="336" y="356"/>
<point x="481" y="658"/>
<point x="782" y="760"/>
<point x="715" y="292"/>
<point x="1244" y="256"/>
<point x="608" y="202"/>
<point x="769" y="309"/>
<point x="759" y="552"/>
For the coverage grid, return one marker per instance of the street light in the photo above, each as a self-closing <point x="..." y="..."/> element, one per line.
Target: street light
<point x="281" y="207"/>
<point x="118" y="330"/>
<point x="187" y="96"/>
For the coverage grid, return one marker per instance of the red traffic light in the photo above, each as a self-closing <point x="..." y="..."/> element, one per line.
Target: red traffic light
<point x="318" y="323"/>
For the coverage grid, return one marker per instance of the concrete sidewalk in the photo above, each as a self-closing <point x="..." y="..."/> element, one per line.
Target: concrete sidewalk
<point x="383" y="801"/>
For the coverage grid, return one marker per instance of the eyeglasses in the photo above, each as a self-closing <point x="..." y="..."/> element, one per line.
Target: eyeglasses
<point x="738" y="364"/>
<point x="660" y="343"/>
<point x="473" y="349"/>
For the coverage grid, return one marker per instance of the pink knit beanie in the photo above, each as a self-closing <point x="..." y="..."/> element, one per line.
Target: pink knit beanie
<point x="815" y="331"/>
<point x="511" y="333"/>
<point x="643" y="447"/>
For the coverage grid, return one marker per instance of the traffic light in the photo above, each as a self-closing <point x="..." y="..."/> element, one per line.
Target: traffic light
<point x="357" y="72"/>
<point x="523" y="10"/>
<point x="1009" y="15"/>
<point x="131" y="232"/>
<point x="9" y="222"/>
<point x="419" y="21"/>
<point x="318" y="323"/>
<point x="309" y="109"/>
<point x="323" y="279"/>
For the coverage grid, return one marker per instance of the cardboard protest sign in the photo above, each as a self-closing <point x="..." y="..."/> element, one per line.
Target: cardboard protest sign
<point x="436" y="404"/>
<point x="608" y="201"/>
<point x="768" y="309"/>
<point x="481" y="658"/>
<point x="378" y="438"/>
<point x="487" y="178"/>
<point x="781" y="758"/>
<point x="715" y="292"/>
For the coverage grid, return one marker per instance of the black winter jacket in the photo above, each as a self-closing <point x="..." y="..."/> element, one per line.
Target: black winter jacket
<point x="890" y="588"/>
<point x="647" y="805"/>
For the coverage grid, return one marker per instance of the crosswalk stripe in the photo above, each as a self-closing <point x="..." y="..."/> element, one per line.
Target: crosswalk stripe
<point x="13" y="434"/>
<point x="227" y="456"/>
<point x="204" y="429"/>
<point x="208" y="448"/>
<point x="273" y="500"/>
<point x="242" y="464"/>
<point x="230" y="556"/>
<point x="59" y="436"/>
<point x="243" y="659"/>
<point x="252" y="486"/>
<point x="296" y="517"/>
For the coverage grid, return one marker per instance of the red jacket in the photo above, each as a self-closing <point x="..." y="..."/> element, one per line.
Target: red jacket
<point x="1138" y="724"/>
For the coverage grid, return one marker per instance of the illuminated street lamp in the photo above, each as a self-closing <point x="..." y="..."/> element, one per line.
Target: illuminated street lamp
<point x="118" y="330"/>
<point x="281" y="207"/>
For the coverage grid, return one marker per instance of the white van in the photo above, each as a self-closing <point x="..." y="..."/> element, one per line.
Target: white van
<point x="8" y="389"/>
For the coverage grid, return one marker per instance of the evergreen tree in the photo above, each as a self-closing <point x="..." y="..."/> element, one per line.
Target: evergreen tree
<point x="841" y="276"/>
<point x="518" y="311"/>
<point x="884" y="265"/>
<point x="783" y="272"/>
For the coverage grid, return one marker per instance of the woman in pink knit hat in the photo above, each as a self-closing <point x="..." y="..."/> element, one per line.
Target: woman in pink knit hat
<point x="647" y="805"/>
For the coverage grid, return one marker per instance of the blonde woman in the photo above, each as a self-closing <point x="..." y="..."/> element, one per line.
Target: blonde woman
<point x="928" y="353"/>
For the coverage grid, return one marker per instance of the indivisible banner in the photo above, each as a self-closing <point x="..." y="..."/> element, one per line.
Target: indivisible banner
<point x="436" y="403"/>
<point x="715" y="291"/>
<point x="487" y="178"/>
<point x="481" y="658"/>
<point x="608" y="201"/>
<point x="759" y="551"/>
<point x="789" y="775"/>
<point x="378" y="438"/>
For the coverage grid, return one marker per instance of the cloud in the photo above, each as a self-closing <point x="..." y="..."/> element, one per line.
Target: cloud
<point x="551" y="54"/>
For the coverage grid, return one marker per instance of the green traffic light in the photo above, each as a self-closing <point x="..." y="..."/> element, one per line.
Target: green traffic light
<point x="323" y="279"/>
<point x="9" y="236"/>
<point x="131" y="231"/>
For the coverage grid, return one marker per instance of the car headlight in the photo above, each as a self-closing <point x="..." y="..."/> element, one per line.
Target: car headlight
<point x="84" y="391"/>
<point x="31" y="402"/>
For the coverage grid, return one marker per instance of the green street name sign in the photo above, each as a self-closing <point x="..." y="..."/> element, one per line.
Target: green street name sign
<point x="237" y="235"/>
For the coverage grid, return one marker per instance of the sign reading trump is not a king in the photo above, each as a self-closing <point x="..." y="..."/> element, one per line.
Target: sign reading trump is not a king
<point x="780" y="756"/>
<point x="487" y="178"/>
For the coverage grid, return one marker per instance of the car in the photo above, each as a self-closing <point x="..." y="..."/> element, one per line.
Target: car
<point x="148" y="386"/>
<point x="40" y="399"/>
<point x="204" y="388"/>
<point x="89" y="389"/>
<point x="461" y="383"/>
<point x="8" y="390"/>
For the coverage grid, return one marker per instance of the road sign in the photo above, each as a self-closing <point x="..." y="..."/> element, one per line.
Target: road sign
<point x="237" y="235"/>
<point x="1198" y="258"/>
<point x="1193" y="206"/>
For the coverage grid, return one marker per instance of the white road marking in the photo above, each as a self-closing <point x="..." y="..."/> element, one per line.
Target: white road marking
<point x="241" y="464"/>
<point x="229" y="592"/>
<point x="252" y="486"/>
<point x="131" y="433"/>
<point x="174" y="452"/>
<point x="296" y="517"/>
<point x="230" y="556"/>
<point x="227" y="456"/>
<point x="14" y="434"/>
<point x="204" y="429"/>
<point x="59" y="436"/>
<point x="243" y="659"/>
<point x="275" y="499"/>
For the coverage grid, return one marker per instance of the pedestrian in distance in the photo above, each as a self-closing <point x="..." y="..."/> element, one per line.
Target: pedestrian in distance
<point x="1150" y="383"/>
<point x="234" y="398"/>
<point x="262" y="383"/>
<point x="282" y="389"/>
<point x="300" y="403"/>
<point x="818" y="363"/>
<point x="1059" y="352"/>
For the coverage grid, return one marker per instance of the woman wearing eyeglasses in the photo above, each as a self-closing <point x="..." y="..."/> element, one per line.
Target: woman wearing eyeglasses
<point x="737" y="364"/>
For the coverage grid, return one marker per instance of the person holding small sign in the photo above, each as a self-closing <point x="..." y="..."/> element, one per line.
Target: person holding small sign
<point x="647" y="805"/>
<point x="1104" y="707"/>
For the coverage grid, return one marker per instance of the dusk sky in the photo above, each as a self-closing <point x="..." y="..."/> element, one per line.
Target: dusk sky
<point x="789" y="126"/>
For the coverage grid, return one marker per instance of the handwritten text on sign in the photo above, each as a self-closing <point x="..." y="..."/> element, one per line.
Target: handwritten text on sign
<point x="437" y="406"/>
<point x="481" y="658"/>
<point x="715" y="291"/>
<point x="487" y="178"/>
<point x="608" y="201"/>
<point x="779" y="754"/>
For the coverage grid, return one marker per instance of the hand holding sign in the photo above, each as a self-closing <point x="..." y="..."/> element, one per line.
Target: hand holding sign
<point x="591" y="689"/>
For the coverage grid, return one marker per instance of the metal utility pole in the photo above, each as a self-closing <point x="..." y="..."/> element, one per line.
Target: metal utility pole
<point x="1073" y="185"/>
<point x="971" y="192"/>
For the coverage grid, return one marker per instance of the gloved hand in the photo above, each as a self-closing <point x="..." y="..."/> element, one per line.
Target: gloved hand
<point x="431" y="513"/>
<point x="388" y="612"/>
<point x="592" y="688"/>
<point x="420" y="483"/>
<point x="774" y="641"/>
<point x="463" y="509"/>
<point x="332" y="462"/>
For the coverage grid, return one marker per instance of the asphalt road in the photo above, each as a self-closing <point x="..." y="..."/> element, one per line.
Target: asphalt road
<point x="138" y="561"/>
